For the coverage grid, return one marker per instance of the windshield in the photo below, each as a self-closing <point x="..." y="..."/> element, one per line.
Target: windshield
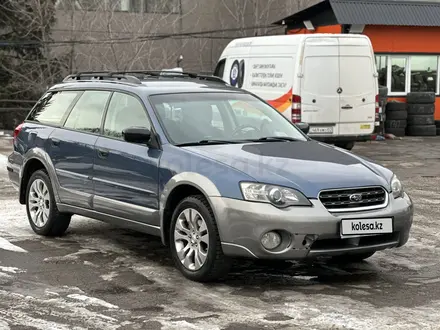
<point x="224" y="117"/>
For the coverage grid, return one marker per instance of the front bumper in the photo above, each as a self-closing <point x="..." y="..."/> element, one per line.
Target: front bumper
<point x="341" y="138"/>
<point x="307" y="231"/>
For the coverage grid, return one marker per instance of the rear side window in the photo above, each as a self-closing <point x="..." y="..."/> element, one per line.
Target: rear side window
<point x="52" y="107"/>
<point x="87" y="113"/>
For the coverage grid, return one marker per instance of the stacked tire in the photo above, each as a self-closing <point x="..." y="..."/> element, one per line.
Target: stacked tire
<point x="396" y="118"/>
<point x="421" y="108"/>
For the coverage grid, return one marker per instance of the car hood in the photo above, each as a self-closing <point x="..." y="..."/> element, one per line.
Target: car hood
<point x="308" y="166"/>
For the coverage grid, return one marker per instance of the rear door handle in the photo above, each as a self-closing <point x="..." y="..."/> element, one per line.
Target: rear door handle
<point x="346" y="107"/>
<point x="102" y="153"/>
<point x="55" y="142"/>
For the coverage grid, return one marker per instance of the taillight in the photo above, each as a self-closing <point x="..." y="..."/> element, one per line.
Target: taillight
<point x="377" y="107"/>
<point x="296" y="109"/>
<point x="17" y="131"/>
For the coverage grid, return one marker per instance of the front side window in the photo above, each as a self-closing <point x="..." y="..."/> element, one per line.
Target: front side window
<point x="230" y="117"/>
<point x="87" y="113"/>
<point x="52" y="107"/>
<point x="398" y="74"/>
<point x="424" y="73"/>
<point x="124" y="111"/>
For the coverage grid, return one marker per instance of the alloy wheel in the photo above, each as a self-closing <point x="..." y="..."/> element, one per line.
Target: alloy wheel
<point x="191" y="239"/>
<point x="39" y="203"/>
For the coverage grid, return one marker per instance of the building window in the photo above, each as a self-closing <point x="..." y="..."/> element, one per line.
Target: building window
<point x="132" y="6"/>
<point x="162" y="6"/>
<point x="424" y="73"/>
<point x="382" y="69"/>
<point x="398" y="74"/>
<point x="408" y="73"/>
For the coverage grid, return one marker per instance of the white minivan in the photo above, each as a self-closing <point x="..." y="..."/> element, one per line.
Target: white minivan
<point x="326" y="80"/>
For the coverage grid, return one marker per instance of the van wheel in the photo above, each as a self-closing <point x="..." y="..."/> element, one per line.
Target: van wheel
<point x="195" y="241"/>
<point x="42" y="211"/>
<point x="345" y="145"/>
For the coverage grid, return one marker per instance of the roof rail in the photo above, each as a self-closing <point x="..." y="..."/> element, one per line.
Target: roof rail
<point x="101" y="75"/>
<point x="137" y="76"/>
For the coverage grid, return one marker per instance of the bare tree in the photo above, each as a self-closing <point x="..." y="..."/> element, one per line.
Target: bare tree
<point x="29" y="64"/>
<point x="115" y="35"/>
<point x="254" y="17"/>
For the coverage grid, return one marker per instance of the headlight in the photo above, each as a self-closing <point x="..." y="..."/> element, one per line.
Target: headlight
<point x="396" y="187"/>
<point x="278" y="196"/>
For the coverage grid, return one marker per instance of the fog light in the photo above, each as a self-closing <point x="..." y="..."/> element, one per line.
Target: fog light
<point x="271" y="240"/>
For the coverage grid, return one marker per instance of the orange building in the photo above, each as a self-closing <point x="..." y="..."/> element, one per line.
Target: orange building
<point x="405" y="36"/>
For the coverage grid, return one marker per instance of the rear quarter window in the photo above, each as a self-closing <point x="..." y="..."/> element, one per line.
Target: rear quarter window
<point x="52" y="108"/>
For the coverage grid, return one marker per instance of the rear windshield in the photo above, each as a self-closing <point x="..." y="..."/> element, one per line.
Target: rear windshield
<point x="194" y="117"/>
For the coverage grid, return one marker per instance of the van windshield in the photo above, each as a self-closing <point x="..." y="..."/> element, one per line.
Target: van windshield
<point x="223" y="117"/>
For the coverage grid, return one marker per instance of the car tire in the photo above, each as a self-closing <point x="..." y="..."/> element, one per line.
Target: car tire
<point x="421" y="120"/>
<point x="438" y="130"/>
<point x="421" y="109"/>
<point x="397" y="115"/>
<point x="395" y="123"/>
<point x="355" y="257"/>
<point x="215" y="264"/>
<point x="345" y="145"/>
<point x="437" y="123"/>
<point x="427" y="130"/>
<point x="395" y="106"/>
<point x="420" y="97"/>
<point x="41" y="208"/>
<point x="396" y="131"/>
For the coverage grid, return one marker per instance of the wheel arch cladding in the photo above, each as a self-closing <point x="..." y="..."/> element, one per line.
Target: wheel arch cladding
<point x="179" y="187"/>
<point x="34" y="160"/>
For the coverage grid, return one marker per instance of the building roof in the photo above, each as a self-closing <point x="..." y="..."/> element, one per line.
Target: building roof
<point x="369" y="12"/>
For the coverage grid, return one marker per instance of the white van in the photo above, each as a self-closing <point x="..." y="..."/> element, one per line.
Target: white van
<point x="326" y="80"/>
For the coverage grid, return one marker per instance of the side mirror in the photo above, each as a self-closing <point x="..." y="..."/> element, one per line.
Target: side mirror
<point x="137" y="135"/>
<point x="304" y="127"/>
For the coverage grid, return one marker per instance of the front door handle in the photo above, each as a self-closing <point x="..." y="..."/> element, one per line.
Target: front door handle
<point x="346" y="107"/>
<point x="55" y="142"/>
<point x="102" y="153"/>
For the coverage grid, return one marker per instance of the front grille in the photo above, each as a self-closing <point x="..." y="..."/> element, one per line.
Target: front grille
<point x="345" y="200"/>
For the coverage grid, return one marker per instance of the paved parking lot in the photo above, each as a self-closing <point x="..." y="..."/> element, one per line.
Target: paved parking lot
<point x="102" y="277"/>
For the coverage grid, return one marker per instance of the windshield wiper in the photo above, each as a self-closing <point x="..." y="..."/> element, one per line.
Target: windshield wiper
<point x="277" y="138"/>
<point x="206" y="142"/>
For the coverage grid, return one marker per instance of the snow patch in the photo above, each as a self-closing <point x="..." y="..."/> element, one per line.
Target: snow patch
<point x="109" y="276"/>
<point x="3" y="162"/>
<point x="4" y="325"/>
<point x="91" y="301"/>
<point x="6" y="245"/>
<point x="13" y="270"/>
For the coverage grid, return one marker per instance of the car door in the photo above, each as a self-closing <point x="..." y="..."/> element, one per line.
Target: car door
<point x="126" y="174"/>
<point x="72" y="148"/>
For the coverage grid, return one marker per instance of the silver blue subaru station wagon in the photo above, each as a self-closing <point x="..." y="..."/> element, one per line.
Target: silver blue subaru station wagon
<point x="213" y="170"/>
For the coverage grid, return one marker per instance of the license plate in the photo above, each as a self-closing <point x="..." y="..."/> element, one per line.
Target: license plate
<point x="350" y="227"/>
<point x="365" y="126"/>
<point x="321" y="130"/>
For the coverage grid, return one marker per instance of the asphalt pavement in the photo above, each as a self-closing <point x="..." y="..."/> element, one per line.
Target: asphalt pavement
<point x="101" y="277"/>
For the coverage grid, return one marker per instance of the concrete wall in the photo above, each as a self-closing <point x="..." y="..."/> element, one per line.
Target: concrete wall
<point x="95" y="32"/>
